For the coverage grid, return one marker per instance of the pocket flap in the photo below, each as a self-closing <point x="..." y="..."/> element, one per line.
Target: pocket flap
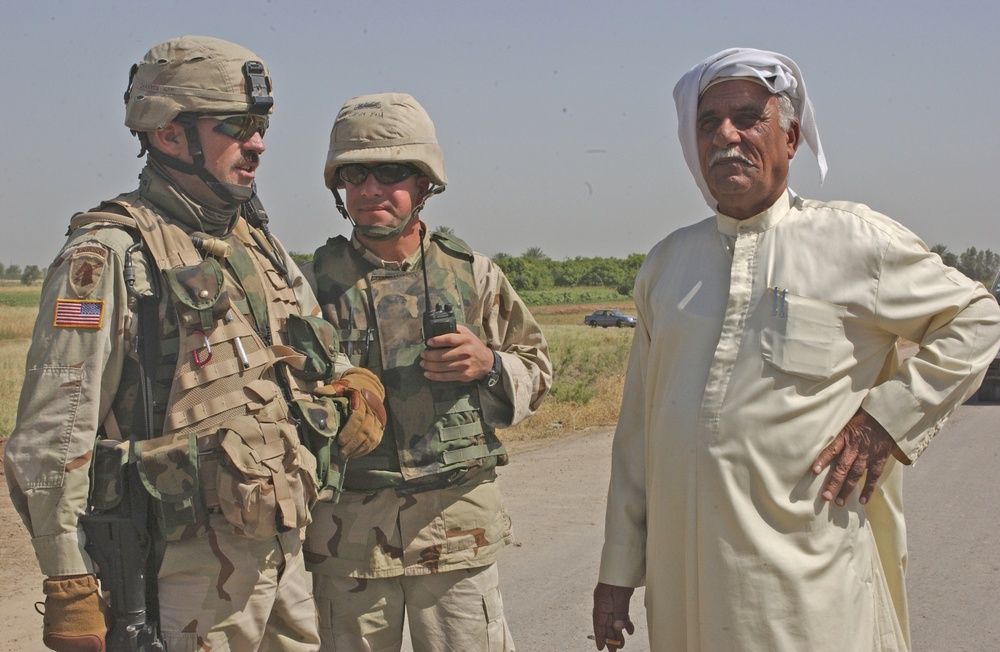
<point x="168" y="467"/>
<point x="256" y="450"/>
<point x="197" y="286"/>
<point x="323" y="416"/>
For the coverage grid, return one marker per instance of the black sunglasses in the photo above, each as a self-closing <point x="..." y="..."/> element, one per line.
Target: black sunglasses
<point x="242" y="126"/>
<point x="385" y="173"/>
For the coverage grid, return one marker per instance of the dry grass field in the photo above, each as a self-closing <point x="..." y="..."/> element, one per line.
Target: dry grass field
<point x="18" y="307"/>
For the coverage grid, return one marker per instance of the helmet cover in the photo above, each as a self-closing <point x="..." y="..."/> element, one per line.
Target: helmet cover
<point x="195" y="74"/>
<point x="384" y="128"/>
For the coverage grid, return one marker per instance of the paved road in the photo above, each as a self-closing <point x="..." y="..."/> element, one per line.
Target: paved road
<point x="556" y="496"/>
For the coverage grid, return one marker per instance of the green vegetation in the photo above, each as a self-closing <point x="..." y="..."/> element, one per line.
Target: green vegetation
<point x="23" y="296"/>
<point x="979" y="265"/>
<point x="582" y="357"/>
<point x="533" y="270"/>
<point x="570" y="296"/>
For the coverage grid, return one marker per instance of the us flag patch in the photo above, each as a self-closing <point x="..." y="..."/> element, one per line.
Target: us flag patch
<point x="77" y="313"/>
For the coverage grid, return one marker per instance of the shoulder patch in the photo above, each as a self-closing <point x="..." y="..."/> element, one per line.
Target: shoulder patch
<point x="86" y="265"/>
<point x="77" y="313"/>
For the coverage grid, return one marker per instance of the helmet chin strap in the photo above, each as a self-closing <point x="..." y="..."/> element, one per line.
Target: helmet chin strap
<point x="377" y="232"/>
<point x="231" y="194"/>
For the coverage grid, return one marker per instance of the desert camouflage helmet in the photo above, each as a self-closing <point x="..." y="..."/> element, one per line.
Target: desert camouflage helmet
<point x="195" y="74"/>
<point x="384" y="128"/>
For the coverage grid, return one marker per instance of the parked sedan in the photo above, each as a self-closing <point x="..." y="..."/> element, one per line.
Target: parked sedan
<point x="606" y="318"/>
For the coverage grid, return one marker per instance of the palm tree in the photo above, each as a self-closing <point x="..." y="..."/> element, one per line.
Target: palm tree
<point x="444" y="230"/>
<point x="534" y="253"/>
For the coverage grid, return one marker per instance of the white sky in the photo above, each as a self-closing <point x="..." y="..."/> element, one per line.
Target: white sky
<point x="556" y="118"/>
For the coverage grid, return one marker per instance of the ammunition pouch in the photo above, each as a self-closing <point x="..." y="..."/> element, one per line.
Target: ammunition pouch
<point x="169" y="470"/>
<point x="320" y="419"/>
<point x="197" y="289"/>
<point x="316" y="339"/>
<point x="108" y="475"/>
<point x="265" y="482"/>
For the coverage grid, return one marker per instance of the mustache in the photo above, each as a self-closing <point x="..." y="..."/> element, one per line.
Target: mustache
<point x="253" y="158"/>
<point x="732" y="153"/>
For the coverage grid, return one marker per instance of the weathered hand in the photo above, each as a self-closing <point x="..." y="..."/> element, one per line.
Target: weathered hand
<point x="459" y="356"/>
<point x="611" y="615"/>
<point x="862" y="446"/>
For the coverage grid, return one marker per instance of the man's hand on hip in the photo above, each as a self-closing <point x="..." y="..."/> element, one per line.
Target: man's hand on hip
<point x="862" y="447"/>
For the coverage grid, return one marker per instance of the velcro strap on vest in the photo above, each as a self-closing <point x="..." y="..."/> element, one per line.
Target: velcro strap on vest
<point x="260" y="358"/>
<point x="461" y="404"/>
<point x="461" y="431"/>
<point x="204" y="410"/>
<point x="471" y="453"/>
<point x="221" y="369"/>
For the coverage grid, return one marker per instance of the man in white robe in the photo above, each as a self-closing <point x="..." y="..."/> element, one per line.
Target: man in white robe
<point x="763" y="387"/>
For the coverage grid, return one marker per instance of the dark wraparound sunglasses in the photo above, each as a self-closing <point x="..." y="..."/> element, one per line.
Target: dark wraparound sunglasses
<point x="242" y="126"/>
<point x="385" y="173"/>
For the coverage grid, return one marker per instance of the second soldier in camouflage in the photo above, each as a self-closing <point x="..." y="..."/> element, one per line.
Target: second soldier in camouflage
<point x="420" y="521"/>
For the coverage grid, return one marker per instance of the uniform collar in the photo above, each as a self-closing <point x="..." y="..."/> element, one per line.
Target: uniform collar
<point x="411" y="262"/>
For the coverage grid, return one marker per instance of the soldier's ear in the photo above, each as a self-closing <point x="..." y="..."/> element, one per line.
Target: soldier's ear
<point x="170" y="139"/>
<point x="423" y="184"/>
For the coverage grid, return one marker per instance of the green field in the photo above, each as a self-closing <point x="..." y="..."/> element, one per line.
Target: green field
<point x="589" y="363"/>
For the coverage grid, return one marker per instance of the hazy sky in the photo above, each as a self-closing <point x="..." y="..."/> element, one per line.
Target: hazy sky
<point x="556" y="118"/>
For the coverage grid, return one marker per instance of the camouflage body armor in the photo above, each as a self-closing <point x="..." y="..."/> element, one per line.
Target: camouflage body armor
<point x="226" y="441"/>
<point x="435" y="435"/>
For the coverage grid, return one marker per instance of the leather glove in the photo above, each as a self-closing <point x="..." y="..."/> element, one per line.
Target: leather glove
<point x="363" y="430"/>
<point x="74" y="619"/>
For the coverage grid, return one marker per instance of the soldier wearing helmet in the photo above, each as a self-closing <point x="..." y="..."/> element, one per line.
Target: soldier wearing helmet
<point x="168" y="372"/>
<point x="420" y="522"/>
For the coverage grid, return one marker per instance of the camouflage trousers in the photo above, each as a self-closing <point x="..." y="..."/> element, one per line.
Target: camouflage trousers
<point x="227" y="592"/>
<point x="454" y="611"/>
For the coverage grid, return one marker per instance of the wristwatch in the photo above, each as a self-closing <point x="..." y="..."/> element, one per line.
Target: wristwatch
<point x="492" y="376"/>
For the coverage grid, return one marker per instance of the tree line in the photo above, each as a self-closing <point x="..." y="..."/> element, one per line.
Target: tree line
<point x="978" y="264"/>
<point x="534" y="270"/>
<point x="30" y="274"/>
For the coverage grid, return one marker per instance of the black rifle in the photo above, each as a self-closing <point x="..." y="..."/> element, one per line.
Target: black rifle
<point x="120" y="541"/>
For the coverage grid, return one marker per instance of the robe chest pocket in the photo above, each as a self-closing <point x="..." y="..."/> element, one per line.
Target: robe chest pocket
<point x="799" y="333"/>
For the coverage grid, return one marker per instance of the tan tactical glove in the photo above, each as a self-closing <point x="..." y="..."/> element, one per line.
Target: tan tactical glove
<point x="363" y="430"/>
<point x="74" y="619"/>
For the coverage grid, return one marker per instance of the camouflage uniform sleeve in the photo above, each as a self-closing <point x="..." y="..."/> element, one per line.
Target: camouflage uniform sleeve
<point x="510" y="330"/>
<point x="72" y="372"/>
<point x="308" y="274"/>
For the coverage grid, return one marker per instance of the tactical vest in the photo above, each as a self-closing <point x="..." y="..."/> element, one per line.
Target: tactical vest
<point x="225" y="438"/>
<point x="435" y="435"/>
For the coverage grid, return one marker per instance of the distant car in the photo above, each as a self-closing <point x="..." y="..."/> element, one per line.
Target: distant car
<point x="606" y="318"/>
<point x="988" y="391"/>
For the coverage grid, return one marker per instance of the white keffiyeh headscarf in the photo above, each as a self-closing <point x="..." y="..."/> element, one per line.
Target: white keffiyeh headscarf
<point x="776" y="71"/>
